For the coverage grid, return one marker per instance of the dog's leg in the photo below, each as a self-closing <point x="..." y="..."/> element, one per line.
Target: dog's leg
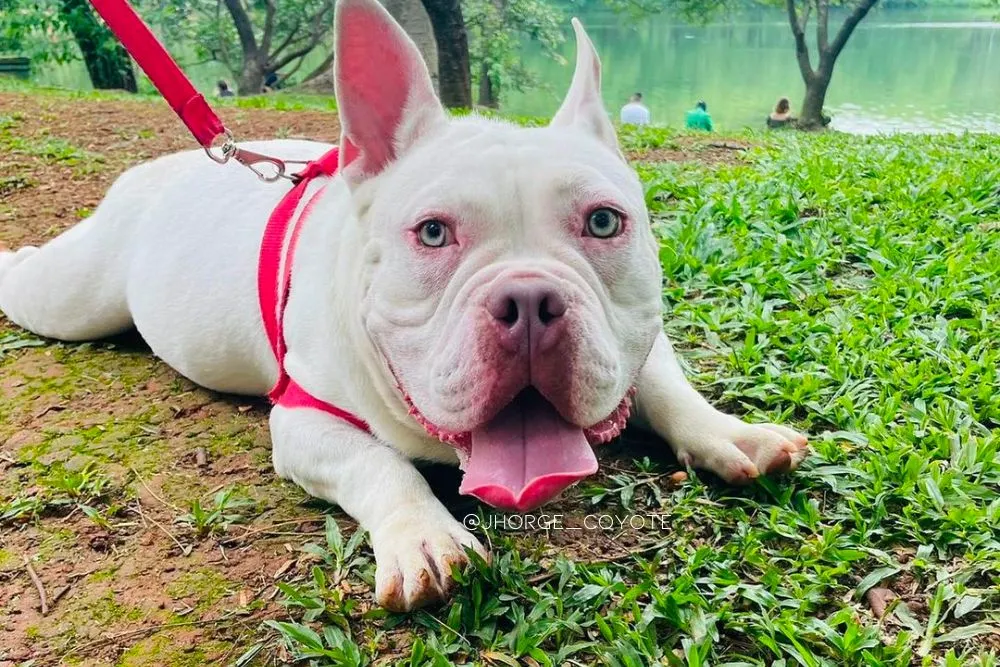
<point x="415" y="539"/>
<point x="701" y="435"/>
<point x="73" y="287"/>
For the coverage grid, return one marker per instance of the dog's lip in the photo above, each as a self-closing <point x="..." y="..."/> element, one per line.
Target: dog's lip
<point x="602" y="432"/>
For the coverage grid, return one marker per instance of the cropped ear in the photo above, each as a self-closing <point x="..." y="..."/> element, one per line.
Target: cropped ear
<point x="583" y="107"/>
<point x="384" y="92"/>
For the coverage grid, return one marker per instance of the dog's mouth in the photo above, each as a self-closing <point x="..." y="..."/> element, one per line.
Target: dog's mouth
<point x="527" y="453"/>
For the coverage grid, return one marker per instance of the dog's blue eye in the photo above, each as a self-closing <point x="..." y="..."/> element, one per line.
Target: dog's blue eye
<point x="604" y="223"/>
<point x="433" y="233"/>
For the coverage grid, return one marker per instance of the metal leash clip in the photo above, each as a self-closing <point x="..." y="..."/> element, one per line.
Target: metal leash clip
<point x="276" y="169"/>
<point x="251" y="160"/>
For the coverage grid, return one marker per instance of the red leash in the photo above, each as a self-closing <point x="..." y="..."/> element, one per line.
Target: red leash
<point x="277" y="249"/>
<point x="161" y="69"/>
<point x="177" y="89"/>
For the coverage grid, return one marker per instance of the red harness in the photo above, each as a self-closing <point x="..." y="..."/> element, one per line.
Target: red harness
<point x="277" y="249"/>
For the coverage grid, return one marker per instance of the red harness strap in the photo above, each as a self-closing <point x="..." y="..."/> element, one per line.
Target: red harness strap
<point x="274" y="279"/>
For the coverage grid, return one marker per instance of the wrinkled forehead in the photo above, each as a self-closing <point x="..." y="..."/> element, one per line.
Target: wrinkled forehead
<point x="477" y="162"/>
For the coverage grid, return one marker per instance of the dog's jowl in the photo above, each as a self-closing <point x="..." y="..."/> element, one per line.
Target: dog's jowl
<point x="474" y="292"/>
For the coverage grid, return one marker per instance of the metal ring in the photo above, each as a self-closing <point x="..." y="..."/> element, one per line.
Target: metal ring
<point x="227" y="148"/>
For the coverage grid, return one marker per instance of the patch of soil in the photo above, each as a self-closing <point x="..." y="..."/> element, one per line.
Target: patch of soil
<point x="53" y="191"/>
<point x="694" y="149"/>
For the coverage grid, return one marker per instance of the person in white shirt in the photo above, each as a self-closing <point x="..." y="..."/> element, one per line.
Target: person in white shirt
<point x="635" y="112"/>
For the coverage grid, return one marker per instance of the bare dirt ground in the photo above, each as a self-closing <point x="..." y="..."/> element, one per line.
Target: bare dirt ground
<point x="106" y="454"/>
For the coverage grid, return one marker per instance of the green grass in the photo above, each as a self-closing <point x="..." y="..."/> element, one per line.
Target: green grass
<point x="281" y="100"/>
<point x="51" y="150"/>
<point x="845" y="285"/>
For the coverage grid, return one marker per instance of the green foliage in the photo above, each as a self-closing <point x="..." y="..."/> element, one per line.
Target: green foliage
<point x="223" y="512"/>
<point x="211" y="30"/>
<point x="845" y="285"/>
<point x="322" y="596"/>
<point x="18" y="340"/>
<point x="61" y="487"/>
<point x="497" y="30"/>
<point x="40" y="30"/>
<point x="36" y="29"/>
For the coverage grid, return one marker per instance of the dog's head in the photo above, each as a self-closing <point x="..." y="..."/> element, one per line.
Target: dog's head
<point x="513" y="287"/>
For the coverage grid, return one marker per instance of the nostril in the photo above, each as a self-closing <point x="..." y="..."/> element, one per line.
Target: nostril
<point x="510" y="314"/>
<point x="551" y="307"/>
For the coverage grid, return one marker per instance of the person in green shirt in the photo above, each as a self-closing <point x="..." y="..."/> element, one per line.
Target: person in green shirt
<point x="699" y="118"/>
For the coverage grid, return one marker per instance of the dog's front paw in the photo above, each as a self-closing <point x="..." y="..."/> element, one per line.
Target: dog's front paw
<point x="414" y="554"/>
<point x="740" y="452"/>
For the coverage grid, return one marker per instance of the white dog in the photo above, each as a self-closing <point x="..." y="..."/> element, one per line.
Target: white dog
<point x="478" y="293"/>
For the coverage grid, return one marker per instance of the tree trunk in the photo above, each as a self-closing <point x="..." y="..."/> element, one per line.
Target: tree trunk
<point x="487" y="94"/>
<point x="252" y="72"/>
<point x="811" y="116"/>
<point x="251" y="80"/>
<point x="454" y="79"/>
<point x="818" y="81"/>
<point x="413" y="17"/>
<point x="107" y="61"/>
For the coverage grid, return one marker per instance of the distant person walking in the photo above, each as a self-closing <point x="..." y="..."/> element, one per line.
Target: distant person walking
<point x="699" y="118"/>
<point x="635" y="112"/>
<point x="224" y="90"/>
<point x="781" y="116"/>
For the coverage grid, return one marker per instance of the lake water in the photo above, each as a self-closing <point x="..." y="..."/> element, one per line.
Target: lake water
<point x="903" y="70"/>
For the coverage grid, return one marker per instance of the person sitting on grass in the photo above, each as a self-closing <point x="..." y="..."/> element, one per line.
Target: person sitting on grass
<point x="781" y="116"/>
<point x="271" y="82"/>
<point x="699" y="118"/>
<point x="635" y="112"/>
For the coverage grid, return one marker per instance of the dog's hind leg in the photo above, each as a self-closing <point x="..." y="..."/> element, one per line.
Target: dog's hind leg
<point x="73" y="287"/>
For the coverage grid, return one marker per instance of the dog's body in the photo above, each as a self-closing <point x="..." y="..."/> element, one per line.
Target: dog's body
<point x="459" y="281"/>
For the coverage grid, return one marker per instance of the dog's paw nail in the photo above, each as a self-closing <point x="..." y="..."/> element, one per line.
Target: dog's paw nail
<point x="389" y="591"/>
<point x="781" y="463"/>
<point x="414" y="563"/>
<point x="743" y="474"/>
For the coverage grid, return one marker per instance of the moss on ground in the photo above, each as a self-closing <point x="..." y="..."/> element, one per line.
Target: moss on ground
<point x="162" y="650"/>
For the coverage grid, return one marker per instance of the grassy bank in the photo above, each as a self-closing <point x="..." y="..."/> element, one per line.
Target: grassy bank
<point x="847" y="286"/>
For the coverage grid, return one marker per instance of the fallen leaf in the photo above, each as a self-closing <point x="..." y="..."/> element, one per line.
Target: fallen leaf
<point x="285" y="567"/>
<point x="879" y="599"/>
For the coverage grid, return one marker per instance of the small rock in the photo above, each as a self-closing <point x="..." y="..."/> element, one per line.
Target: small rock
<point x="678" y="477"/>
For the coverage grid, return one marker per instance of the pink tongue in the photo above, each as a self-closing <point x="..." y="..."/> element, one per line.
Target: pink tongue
<point x="525" y="456"/>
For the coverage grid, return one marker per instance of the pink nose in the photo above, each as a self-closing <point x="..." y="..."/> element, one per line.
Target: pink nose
<point x="528" y="309"/>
